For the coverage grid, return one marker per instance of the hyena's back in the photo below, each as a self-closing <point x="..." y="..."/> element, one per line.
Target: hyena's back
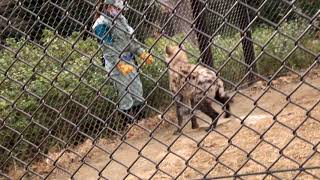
<point x="195" y="81"/>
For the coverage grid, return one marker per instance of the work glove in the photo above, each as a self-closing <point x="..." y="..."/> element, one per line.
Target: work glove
<point x="125" y="68"/>
<point x="148" y="57"/>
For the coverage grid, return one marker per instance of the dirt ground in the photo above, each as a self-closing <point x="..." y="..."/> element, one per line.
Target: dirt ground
<point x="249" y="148"/>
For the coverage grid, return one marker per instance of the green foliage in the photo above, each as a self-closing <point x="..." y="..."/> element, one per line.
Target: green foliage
<point x="41" y="82"/>
<point x="272" y="48"/>
<point x="285" y="47"/>
<point x="309" y="7"/>
<point x="47" y="89"/>
<point x="275" y="10"/>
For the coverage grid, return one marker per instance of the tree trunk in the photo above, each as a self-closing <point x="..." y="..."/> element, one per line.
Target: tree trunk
<point x="247" y="45"/>
<point x="200" y="24"/>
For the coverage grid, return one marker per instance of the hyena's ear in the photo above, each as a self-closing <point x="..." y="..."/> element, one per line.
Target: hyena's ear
<point x="183" y="47"/>
<point x="169" y="50"/>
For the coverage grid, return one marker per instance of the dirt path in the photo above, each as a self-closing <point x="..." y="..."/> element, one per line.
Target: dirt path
<point x="233" y="154"/>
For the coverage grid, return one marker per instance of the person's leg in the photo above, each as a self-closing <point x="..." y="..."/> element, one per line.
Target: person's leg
<point x="120" y="82"/>
<point x="131" y="93"/>
<point x="125" y="99"/>
<point x="138" y="100"/>
<point x="136" y="89"/>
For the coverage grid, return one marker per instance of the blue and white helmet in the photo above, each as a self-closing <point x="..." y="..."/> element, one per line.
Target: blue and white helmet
<point x="117" y="3"/>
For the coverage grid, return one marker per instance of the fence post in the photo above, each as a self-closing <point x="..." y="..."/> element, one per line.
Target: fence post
<point x="200" y="24"/>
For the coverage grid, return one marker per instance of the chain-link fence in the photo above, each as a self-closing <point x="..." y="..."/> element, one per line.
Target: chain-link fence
<point x="60" y="112"/>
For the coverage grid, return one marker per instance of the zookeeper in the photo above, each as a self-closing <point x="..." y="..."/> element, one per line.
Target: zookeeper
<point x="119" y="50"/>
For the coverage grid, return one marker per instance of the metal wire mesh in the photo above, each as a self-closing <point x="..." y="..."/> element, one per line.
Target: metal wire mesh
<point x="60" y="118"/>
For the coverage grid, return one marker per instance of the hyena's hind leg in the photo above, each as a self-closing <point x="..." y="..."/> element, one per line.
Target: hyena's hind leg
<point x="180" y="112"/>
<point x="206" y="107"/>
<point x="223" y="98"/>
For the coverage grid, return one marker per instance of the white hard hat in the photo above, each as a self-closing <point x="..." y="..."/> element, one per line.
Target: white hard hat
<point x="117" y="3"/>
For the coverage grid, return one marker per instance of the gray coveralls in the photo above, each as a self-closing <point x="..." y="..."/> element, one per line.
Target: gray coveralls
<point x="117" y="39"/>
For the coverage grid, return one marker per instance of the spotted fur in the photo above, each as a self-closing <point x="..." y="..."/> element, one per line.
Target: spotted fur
<point x="194" y="85"/>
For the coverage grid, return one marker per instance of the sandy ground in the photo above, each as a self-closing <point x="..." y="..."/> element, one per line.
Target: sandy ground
<point x="249" y="148"/>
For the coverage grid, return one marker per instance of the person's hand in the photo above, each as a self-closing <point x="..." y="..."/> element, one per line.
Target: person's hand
<point x="148" y="57"/>
<point x="125" y="68"/>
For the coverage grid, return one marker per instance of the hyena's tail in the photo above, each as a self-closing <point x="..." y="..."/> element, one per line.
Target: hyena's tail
<point x="223" y="98"/>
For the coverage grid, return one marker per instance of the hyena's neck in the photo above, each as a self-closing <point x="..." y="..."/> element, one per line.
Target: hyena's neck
<point x="177" y="67"/>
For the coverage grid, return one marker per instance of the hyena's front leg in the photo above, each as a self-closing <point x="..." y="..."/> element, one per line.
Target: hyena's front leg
<point x="194" y="123"/>
<point x="180" y="111"/>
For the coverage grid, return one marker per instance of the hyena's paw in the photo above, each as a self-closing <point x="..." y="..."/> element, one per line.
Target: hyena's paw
<point x="210" y="128"/>
<point x="123" y="138"/>
<point x="195" y="126"/>
<point x="177" y="132"/>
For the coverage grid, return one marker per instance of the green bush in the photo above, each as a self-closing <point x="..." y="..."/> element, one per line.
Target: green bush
<point x="38" y="83"/>
<point x="55" y="89"/>
<point x="272" y="49"/>
<point x="35" y="87"/>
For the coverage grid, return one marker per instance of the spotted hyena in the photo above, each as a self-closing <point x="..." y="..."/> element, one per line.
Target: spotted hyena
<point x="194" y="85"/>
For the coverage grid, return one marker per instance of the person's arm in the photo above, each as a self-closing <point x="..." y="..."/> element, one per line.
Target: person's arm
<point x="135" y="46"/>
<point x="101" y="27"/>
